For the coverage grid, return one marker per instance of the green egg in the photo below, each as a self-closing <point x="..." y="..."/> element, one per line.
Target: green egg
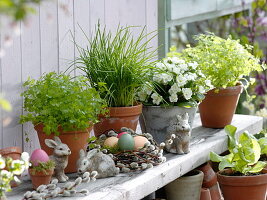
<point x="126" y="142"/>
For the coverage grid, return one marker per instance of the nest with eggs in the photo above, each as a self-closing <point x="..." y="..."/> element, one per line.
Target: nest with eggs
<point x="151" y="154"/>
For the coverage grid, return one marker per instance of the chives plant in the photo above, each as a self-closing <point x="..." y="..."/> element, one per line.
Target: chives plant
<point x="116" y="65"/>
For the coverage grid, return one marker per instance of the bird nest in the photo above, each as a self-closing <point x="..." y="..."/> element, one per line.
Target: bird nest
<point x="147" y="157"/>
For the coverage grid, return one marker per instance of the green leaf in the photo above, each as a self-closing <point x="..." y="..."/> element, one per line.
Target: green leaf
<point x="263" y="145"/>
<point x="231" y="131"/>
<point x="258" y="167"/>
<point x="215" y="157"/>
<point x="188" y="104"/>
<point x="225" y="164"/>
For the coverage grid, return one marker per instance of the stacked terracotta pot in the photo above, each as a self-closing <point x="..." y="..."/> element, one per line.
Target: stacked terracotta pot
<point x="210" y="188"/>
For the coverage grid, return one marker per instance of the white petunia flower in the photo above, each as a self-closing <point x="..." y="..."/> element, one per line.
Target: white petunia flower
<point x="142" y="95"/>
<point x="183" y="66"/>
<point x="208" y="83"/>
<point x="193" y="65"/>
<point x="2" y="162"/>
<point x="175" y="60"/>
<point x="201" y="89"/>
<point x="25" y="156"/>
<point x="173" y="98"/>
<point x="181" y="80"/>
<point x="156" y="98"/>
<point x="169" y="66"/>
<point x="174" y="89"/>
<point x="166" y="78"/>
<point x="5" y="174"/>
<point x="160" y="65"/>
<point x="176" y="70"/>
<point x="187" y="92"/>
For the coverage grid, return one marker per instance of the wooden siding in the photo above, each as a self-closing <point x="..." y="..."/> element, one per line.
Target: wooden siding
<point x="46" y="44"/>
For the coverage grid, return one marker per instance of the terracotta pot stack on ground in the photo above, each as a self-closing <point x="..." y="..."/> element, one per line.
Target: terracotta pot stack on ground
<point x="210" y="188"/>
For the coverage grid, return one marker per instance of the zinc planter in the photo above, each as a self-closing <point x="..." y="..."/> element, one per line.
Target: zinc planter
<point x="218" y="108"/>
<point x="156" y="119"/>
<point x="75" y="140"/>
<point x="118" y="117"/>
<point x="187" y="187"/>
<point x="242" y="187"/>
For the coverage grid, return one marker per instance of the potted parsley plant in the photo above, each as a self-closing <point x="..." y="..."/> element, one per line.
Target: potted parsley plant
<point x="60" y="105"/>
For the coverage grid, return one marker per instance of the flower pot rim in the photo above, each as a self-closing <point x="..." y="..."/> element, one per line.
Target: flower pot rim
<point x="40" y="125"/>
<point x="241" y="180"/>
<point x="123" y="111"/>
<point x="8" y="150"/>
<point x="168" y="107"/>
<point x="49" y="172"/>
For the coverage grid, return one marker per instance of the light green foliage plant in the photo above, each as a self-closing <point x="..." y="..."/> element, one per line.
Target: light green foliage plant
<point x="43" y="167"/>
<point x="10" y="169"/>
<point x="263" y="145"/>
<point x="244" y="153"/>
<point x="17" y="9"/>
<point x="116" y="65"/>
<point x="58" y="99"/>
<point x="223" y="61"/>
<point x="175" y="81"/>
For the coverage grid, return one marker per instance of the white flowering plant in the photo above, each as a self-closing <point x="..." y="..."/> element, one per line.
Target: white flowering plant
<point x="10" y="169"/>
<point x="175" y="82"/>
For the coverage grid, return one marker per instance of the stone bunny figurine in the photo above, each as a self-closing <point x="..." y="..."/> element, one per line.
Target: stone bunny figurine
<point x="95" y="160"/>
<point x="60" y="156"/>
<point x="178" y="135"/>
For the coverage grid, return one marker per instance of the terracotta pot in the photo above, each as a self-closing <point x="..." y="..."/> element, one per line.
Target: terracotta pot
<point x="215" y="192"/>
<point x="210" y="177"/>
<point x="217" y="109"/>
<point x="118" y="117"/>
<point x="205" y="194"/>
<point x="12" y="152"/>
<point x="242" y="187"/>
<point x="76" y="140"/>
<point x="40" y="178"/>
<point x="187" y="187"/>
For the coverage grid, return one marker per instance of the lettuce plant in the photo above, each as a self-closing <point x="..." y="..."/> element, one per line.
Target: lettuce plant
<point x="60" y="100"/>
<point x="223" y="61"/>
<point x="244" y="153"/>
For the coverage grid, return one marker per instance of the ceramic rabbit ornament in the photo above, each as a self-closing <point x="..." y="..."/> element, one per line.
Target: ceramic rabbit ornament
<point x="95" y="160"/>
<point x="178" y="135"/>
<point x="60" y="156"/>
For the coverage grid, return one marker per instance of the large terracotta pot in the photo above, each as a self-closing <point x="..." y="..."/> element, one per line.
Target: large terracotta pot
<point x="76" y="140"/>
<point x="118" y="117"/>
<point x="242" y="187"/>
<point x="187" y="187"/>
<point x="157" y="119"/>
<point x="218" y="108"/>
<point x="40" y="178"/>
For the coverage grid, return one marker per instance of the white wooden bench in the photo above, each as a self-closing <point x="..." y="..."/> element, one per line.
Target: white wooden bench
<point x="134" y="186"/>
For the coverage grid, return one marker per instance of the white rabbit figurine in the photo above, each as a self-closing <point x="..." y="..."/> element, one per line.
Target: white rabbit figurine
<point x="95" y="160"/>
<point x="60" y="157"/>
<point x="178" y="135"/>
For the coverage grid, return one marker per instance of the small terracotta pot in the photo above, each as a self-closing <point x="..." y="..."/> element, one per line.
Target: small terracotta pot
<point x="217" y="109"/>
<point x="118" y="117"/>
<point x="75" y="140"/>
<point x="40" y="178"/>
<point x="215" y="192"/>
<point x="12" y="152"/>
<point x="242" y="187"/>
<point x="210" y="177"/>
<point x="205" y="194"/>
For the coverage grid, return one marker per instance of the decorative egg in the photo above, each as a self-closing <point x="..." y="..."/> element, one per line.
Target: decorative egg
<point x="139" y="142"/>
<point x="38" y="155"/>
<point x="126" y="142"/>
<point x="120" y="134"/>
<point x="111" y="141"/>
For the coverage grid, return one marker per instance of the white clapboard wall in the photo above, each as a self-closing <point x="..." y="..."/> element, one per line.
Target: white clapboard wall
<point x="46" y="44"/>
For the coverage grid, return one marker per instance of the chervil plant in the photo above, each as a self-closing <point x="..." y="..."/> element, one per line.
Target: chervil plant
<point x="43" y="167"/>
<point x="59" y="100"/>
<point x="223" y="61"/>
<point x="244" y="153"/>
<point x="9" y="169"/>
<point x="174" y="81"/>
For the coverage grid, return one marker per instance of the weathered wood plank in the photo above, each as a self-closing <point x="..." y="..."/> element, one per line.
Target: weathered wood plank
<point x="137" y="185"/>
<point x="31" y="67"/>
<point x="49" y="36"/>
